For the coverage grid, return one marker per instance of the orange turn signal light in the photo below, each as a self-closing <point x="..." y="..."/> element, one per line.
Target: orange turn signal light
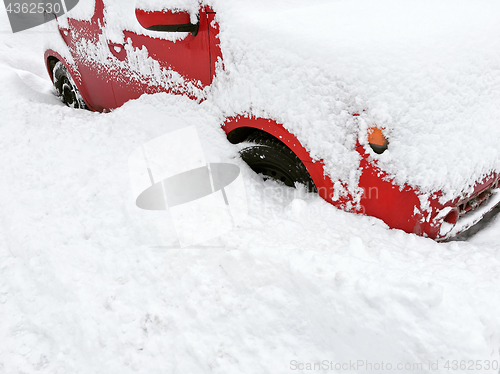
<point x="377" y="140"/>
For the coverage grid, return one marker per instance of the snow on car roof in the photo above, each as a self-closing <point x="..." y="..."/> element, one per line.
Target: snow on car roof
<point x="428" y="72"/>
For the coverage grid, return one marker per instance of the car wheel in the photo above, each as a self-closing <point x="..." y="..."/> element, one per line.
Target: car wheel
<point x="271" y="158"/>
<point x="66" y="87"/>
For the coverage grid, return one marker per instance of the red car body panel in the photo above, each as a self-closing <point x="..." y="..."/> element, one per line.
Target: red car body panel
<point x="195" y="58"/>
<point x="95" y="87"/>
<point x="382" y="199"/>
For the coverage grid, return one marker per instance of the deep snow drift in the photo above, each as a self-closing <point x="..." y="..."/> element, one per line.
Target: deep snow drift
<point x="89" y="284"/>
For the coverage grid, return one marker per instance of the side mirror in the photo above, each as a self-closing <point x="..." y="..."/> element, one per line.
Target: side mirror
<point x="166" y="21"/>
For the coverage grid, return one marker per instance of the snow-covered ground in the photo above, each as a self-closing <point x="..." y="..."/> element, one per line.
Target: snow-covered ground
<point x="89" y="285"/>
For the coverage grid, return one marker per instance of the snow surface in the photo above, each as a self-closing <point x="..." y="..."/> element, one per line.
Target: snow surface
<point x="89" y="284"/>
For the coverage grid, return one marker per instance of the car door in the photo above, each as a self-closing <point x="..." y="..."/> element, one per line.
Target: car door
<point x="151" y="62"/>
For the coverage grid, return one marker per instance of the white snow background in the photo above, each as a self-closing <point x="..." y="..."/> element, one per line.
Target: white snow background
<point x="89" y="284"/>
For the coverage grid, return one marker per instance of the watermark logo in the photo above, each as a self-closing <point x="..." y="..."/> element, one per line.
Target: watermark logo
<point x="205" y="200"/>
<point x="24" y="15"/>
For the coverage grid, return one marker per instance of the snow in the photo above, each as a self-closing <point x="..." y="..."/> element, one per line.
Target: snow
<point x="89" y="283"/>
<point x="84" y="10"/>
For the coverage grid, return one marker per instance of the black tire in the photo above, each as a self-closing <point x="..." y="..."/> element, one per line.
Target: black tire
<point x="273" y="159"/>
<point x="66" y="87"/>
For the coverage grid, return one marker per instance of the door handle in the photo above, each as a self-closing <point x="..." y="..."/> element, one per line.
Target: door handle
<point x="185" y="27"/>
<point x="118" y="50"/>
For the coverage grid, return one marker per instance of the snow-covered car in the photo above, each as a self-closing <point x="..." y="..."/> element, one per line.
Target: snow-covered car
<point x="385" y="108"/>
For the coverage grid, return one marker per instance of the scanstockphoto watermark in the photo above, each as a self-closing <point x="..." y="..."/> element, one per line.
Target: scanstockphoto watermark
<point x="170" y="173"/>
<point x="24" y="15"/>
<point x="206" y="200"/>
<point x="273" y="197"/>
<point x="381" y="366"/>
<point x="358" y="365"/>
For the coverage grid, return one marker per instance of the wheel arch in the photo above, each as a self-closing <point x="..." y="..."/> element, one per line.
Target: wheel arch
<point x="239" y="127"/>
<point x="51" y="57"/>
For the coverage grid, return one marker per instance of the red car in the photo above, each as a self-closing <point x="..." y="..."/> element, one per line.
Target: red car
<point x="179" y="51"/>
